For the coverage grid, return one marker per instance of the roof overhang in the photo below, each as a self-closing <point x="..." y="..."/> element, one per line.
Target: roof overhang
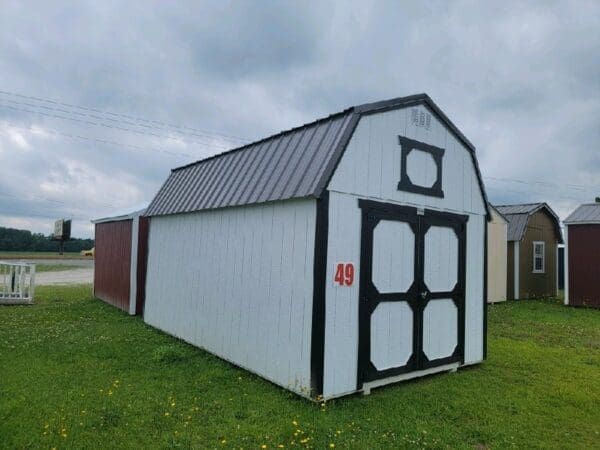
<point x="120" y="218"/>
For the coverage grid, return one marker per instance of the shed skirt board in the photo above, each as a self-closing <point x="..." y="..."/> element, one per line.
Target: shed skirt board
<point x="412" y="291"/>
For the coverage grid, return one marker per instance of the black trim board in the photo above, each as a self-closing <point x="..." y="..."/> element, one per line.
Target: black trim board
<point x="317" y="347"/>
<point x="405" y="184"/>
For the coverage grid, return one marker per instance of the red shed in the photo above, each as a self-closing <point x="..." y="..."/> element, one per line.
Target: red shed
<point x="582" y="256"/>
<point x="120" y="260"/>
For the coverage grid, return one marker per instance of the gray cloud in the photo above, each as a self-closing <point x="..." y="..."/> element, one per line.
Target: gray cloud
<point x="521" y="81"/>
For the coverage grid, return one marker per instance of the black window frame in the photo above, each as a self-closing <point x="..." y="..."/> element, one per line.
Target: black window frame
<point x="405" y="184"/>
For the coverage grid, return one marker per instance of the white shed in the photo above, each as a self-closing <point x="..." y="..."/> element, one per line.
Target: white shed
<point x="330" y="258"/>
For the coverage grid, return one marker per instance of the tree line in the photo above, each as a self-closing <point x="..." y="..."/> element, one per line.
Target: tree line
<point x="26" y="241"/>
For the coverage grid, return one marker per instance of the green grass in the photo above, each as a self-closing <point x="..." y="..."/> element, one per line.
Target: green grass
<point x="41" y="255"/>
<point x="76" y="373"/>
<point x="55" y="267"/>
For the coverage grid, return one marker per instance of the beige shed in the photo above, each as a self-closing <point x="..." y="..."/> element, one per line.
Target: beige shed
<point x="496" y="257"/>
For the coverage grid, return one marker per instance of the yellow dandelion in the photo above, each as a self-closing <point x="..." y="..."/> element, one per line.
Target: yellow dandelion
<point x="173" y="404"/>
<point x="263" y="446"/>
<point x="294" y="423"/>
<point x="224" y="441"/>
<point x="331" y="445"/>
<point x="64" y="435"/>
<point x="167" y="414"/>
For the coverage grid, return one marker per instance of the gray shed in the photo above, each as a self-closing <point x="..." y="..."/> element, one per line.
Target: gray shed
<point x="331" y="258"/>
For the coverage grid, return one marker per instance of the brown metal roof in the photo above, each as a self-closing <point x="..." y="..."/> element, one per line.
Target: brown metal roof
<point x="518" y="217"/>
<point x="292" y="164"/>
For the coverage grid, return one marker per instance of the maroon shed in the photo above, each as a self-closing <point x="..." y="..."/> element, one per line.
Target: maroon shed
<point x="582" y="256"/>
<point x="120" y="260"/>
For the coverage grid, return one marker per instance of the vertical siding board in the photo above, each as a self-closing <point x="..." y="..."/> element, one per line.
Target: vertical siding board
<point x="232" y="286"/>
<point x="584" y="265"/>
<point x="112" y="264"/>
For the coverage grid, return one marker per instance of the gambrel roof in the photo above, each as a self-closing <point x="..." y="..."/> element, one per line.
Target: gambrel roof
<point x="296" y="163"/>
<point x="518" y="217"/>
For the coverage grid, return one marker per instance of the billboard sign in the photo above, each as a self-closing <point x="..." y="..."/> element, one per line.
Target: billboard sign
<point x="62" y="230"/>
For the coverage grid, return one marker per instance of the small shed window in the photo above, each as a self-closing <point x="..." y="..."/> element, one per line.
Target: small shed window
<point x="539" y="257"/>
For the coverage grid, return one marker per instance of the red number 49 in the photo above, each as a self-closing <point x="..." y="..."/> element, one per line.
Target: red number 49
<point x="344" y="274"/>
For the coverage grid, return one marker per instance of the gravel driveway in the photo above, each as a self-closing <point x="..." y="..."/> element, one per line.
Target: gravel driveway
<point x="73" y="276"/>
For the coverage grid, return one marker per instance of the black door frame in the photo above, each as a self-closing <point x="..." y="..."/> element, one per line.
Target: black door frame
<point x="420" y="220"/>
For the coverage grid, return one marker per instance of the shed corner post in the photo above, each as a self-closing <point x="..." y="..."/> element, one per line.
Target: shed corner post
<point x="133" y="266"/>
<point x="566" y="266"/>
<point x="517" y="269"/>
<point x="317" y="351"/>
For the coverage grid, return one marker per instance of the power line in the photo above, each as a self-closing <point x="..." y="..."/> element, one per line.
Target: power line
<point x="163" y="124"/>
<point x="30" y="197"/>
<point x="99" y="124"/>
<point x="567" y="197"/>
<point x="547" y="184"/>
<point x="98" y="140"/>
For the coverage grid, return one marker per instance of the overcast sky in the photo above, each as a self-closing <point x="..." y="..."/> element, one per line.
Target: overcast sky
<point x="140" y="88"/>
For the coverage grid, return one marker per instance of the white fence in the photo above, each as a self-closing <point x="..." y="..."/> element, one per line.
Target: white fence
<point x="17" y="283"/>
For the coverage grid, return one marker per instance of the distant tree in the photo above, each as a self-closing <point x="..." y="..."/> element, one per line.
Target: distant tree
<point x="26" y="241"/>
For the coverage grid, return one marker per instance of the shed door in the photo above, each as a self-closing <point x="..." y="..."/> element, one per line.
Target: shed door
<point x="411" y="290"/>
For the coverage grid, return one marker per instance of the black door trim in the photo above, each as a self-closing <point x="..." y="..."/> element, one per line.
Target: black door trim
<point x="369" y="297"/>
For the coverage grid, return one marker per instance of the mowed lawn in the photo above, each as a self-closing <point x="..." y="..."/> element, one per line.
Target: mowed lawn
<point x="76" y="373"/>
<point x="7" y="254"/>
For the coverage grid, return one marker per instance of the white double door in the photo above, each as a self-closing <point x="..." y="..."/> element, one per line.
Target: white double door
<point x="411" y="313"/>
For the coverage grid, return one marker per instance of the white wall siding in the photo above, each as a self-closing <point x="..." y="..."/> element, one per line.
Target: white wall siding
<point x="474" y="298"/>
<point x="341" y="312"/>
<point x="239" y="283"/>
<point x="370" y="169"/>
<point x="370" y="166"/>
<point x="341" y="308"/>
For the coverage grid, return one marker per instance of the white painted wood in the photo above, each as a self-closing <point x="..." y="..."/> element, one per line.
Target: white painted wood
<point x="17" y="283"/>
<point x="421" y="168"/>
<point x="441" y="259"/>
<point x="341" y="309"/>
<point x="408" y="376"/>
<point x="370" y="169"/>
<point x="135" y="226"/>
<point x="341" y="326"/>
<point x="238" y="282"/>
<point x="516" y="251"/>
<point x="566" y="265"/>
<point x="440" y="319"/>
<point x="393" y="256"/>
<point x="370" y="166"/>
<point x="474" y="296"/>
<point x="391" y="335"/>
<point x="497" y="258"/>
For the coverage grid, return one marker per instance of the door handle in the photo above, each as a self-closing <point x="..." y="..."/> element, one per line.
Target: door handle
<point x="424" y="294"/>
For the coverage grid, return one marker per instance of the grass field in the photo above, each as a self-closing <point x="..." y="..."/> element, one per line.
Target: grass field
<point x="55" y="267"/>
<point x="76" y="373"/>
<point x="41" y="255"/>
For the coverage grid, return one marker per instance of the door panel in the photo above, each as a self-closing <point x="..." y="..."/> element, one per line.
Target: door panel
<point x="441" y="259"/>
<point x="393" y="256"/>
<point x="411" y="310"/>
<point x="391" y="335"/>
<point x="440" y="322"/>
